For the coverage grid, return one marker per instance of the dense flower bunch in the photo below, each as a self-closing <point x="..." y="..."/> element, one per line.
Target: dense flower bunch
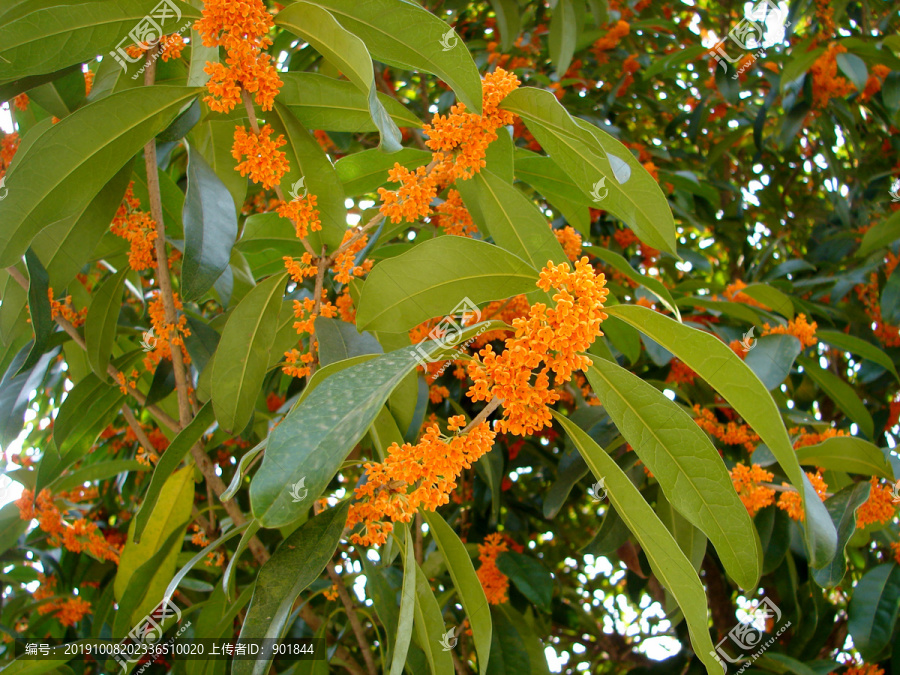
<point x="494" y="582"/>
<point x="827" y="84"/>
<point x="747" y="481"/>
<point x="798" y="327"/>
<point x="553" y="337"/>
<point x="878" y="508"/>
<point x="242" y="29"/>
<point x="8" y="146"/>
<point x="570" y="241"/>
<point x="790" y="501"/>
<point x="870" y="296"/>
<point x="68" y="611"/>
<point x="417" y="475"/>
<point x="65" y="310"/>
<point x="452" y="216"/>
<point x="263" y="161"/>
<point x="458" y="142"/>
<point x="138" y="229"/>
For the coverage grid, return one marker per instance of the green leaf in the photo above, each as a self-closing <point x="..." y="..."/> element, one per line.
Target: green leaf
<point x="188" y="566"/>
<point x="849" y="454"/>
<point x="315" y="437"/>
<point x="101" y="322"/>
<point x="653" y="285"/>
<point x="684" y="462"/>
<point x="508" y="653"/>
<point x="772" y="357"/>
<point x="364" y="172"/>
<point x="798" y="66"/>
<point x="344" y="49"/>
<point x="97" y="472"/>
<point x="712" y="359"/>
<point x="467" y="584"/>
<point x="435" y="277"/>
<point x="669" y="564"/>
<point x="168" y="463"/>
<point x="432" y="47"/>
<point x="676" y="58"/>
<point x="691" y="540"/>
<point x="854" y="68"/>
<point x="15" y="392"/>
<point x="38" y="308"/>
<point x="295" y="565"/>
<point x="774" y="527"/>
<point x="339" y="340"/>
<point x="511" y="219"/>
<point x="71" y="162"/>
<point x="430" y="629"/>
<point x="510" y="24"/>
<point x="842" y="509"/>
<point x="210" y="228"/>
<point x="859" y="347"/>
<point x="243" y="353"/>
<point x="407" y="604"/>
<point x="322" y="102"/>
<point x="170" y="519"/>
<point x="51" y="38"/>
<point x="873" y="610"/>
<point x="563" y="31"/>
<point x="772" y="298"/>
<point x="312" y="171"/>
<point x="11" y="526"/>
<point x="598" y="163"/>
<point x="883" y="234"/>
<point x="842" y="394"/>
<point x="529" y="576"/>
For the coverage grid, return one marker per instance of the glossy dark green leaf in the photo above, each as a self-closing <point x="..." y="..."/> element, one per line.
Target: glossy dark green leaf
<point x="531" y="578"/>
<point x="873" y="609"/>
<point x="653" y="285"/>
<point x="15" y="391"/>
<point x="429" y="626"/>
<point x="38" y="308"/>
<point x="842" y="394"/>
<point x="774" y="527"/>
<point x="859" y="347"/>
<point x="210" y="228"/>
<point x="101" y="322"/>
<point x="366" y="171"/>
<point x="508" y="19"/>
<point x="508" y="653"/>
<point x="849" y="454"/>
<point x="323" y="31"/>
<point x="168" y="463"/>
<point x="710" y="358"/>
<point x="339" y="340"/>
<point x="97" y="472"/>
<point x="842" y="509"/>
<point x="295" y="565"/>
<point x="71" y="162"/>
<point x="882" y="234"/>
<point x="772" y="357"/>
<point x="407" y="610"/>
<point x="242" y="356"/>
<point x="435" y="277"/>
<point x="563" y="31"/>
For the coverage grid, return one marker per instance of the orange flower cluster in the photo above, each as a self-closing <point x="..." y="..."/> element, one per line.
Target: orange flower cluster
<point x="88" y="82"/>
<point x="453" y="217"/>
<point x="629" y="67"/>
<point x="82" y="535"/>
<point x="302" y="212"/>
<point x="8" y="146"/>
<point x="874" y="82"/>
<point x="302" y="269"/>
<point x="430" y="468"/>
<point x="242" y="28"/>
<point x="570" y="241"/>
<point x="166" y="334"/>
<point x="610" y="41"/>
<point x="306" y="323"/>
<point x="811" y="438"/>
<point x="552" y="336"/>
<point x="826" y="83"/>
<point x="865" y="669"/>
<point x="458" y="142"/>
<point x="680" y="373"/>
<point x="799" y="328"/>
<point x="870" y="296"/>
<point x="345" y="266"/>
<point x="138" y="229"/>
<point x="878" y="508"/>
<point x="69" y="611"/>
<point x="790" y="501"/>
<point x="730" y="434"/>
<point x="21" y="101"/>
<point x="733" y="293"/>
<point x="825" y="15"/>
<point x="747" y="484"/>
<point x="493" y="581"/>
<point x="65" y="310"/>
<point x="265" y="163"/>
<point x="170" y="47"/>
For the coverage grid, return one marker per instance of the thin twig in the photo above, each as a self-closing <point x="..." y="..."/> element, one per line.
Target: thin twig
<point x="347" y="601"/>
<point x="483" y="415"/>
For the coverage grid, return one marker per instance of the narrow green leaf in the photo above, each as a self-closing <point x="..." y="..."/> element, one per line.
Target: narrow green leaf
<point x="170" y="519"/>
<point x="210" y="227"/>
<point x="433" y="47"/>
<point x="712" y="359"/>
<point x="322" y="30"/>
<point x="669" y="564"/>
<point x="339" y="340"/>
<point x="366" y="171"/>
<point x="38" y="308"/>
<point x="243" y="466"/>
<point x="842" y="394"/>
<point x="772" y="357"/>
<point x="435" y="277"/>
<point x="243" y="354"/>
<point x="563" y="31"/>
<point x="231" y="569"/>
<point x="529" y="576"/>
<point x="467" y="584"/>
<point x="842" y="509"/>
<point x="407" y="604"/>
<point x="86" y="149"/>
<point x="507" y="12"/>
<point x="653" y="285"/>
<point x="511" y="219"/>
<point x="849" y="454"/>
<point x="684" y="462"/>
<point x="295" y="565"/>
<point x="15" y="391"/>
<point x="859" y="347"/>
<point x="508" y="653"/>
<point x="772" y="298"/>
<point x="101" y="322"/>
<point x="168" y="463"/>
<point x="429" y="626"/>
<point x="873" y="610"/>
<point x="96" y="472"/>
<point x="188" y="566"/>
<point x="883" y="234"/>
<point x="599" y="164"/>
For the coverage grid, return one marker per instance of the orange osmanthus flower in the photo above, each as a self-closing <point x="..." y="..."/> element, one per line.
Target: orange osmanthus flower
<point x="138" y="229"/>
<point x="790" y="501"/>
<point x="493" y="581"/>
<point x="798" y="327"/>
<point x="747" y="481"/>
<point x="878" y="508"/>
<point x="265" y="163"/>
